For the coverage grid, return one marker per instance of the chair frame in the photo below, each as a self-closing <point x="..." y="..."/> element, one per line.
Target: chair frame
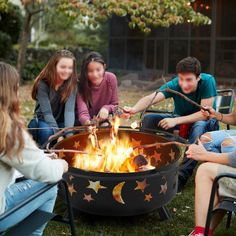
<point x="212" y="198"/>
<point x="67" y="220"/>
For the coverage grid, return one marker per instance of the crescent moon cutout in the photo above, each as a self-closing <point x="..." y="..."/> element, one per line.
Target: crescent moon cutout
<point x="116" y="193"/>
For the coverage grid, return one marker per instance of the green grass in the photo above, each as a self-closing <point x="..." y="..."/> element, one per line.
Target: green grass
<point x="181" y="207"/>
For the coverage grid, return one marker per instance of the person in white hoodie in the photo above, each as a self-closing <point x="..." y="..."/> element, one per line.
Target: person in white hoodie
<point x="18" y="152"/>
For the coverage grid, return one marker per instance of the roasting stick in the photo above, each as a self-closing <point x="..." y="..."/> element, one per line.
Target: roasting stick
<point x="71" y="151"/>
<point x="161" y="144"/>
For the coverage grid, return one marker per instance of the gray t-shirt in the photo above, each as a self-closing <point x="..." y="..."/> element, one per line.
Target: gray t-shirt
<point x="232" y="159"/>
<point x="50" y="108"/>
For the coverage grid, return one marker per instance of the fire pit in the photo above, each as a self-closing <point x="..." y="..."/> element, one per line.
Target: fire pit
<point x="143" y="188"/>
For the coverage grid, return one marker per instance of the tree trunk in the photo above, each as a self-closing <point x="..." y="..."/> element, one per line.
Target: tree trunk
<point x="23" y="44"/>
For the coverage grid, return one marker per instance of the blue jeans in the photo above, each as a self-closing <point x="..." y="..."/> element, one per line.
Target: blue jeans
<point x="42" y="135"/>
<point x="19" y="192"/>
<point x="215" y="145"/>
<point x="198" y="128"/>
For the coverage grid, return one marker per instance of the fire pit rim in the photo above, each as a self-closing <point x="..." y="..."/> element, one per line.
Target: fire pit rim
<point x="161" y="170"/>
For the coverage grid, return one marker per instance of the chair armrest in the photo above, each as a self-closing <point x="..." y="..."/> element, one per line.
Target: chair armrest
<point x="25" y="202"/>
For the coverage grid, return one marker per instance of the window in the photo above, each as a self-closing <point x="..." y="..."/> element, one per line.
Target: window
<point x="135" y="54"/>
<point x="225" y="62"/>
<point x="150" y="54"/>
<point x="117" y="53"/>
<point x="204" y="7"/>
<point x="200" y="50"/>
<point x="178" y="49"/>
<point x="226" y="18"/>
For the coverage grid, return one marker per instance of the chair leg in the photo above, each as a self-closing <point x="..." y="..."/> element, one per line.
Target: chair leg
<point x="69" y="208"/>
<point x="228" y="220"/>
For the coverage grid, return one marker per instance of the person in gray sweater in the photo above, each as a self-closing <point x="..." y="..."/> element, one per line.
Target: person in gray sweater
<point x="18" y="152"/>
<point x="223" y="160"/>
<point x="54" y="91"/>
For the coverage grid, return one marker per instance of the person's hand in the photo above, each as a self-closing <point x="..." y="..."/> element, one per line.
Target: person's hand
<point x="52" y="155"/>
<point x="167" y="123"/>
<point x="197" y="152"/>
<point x="210" y="112"/>
<point x="103" y="114"/>
<point x="60" y="139"/>
<point x="127" y="112"/>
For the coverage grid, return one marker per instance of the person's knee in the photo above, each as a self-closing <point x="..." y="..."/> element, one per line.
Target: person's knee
<point x="151" y="120"/>
<point x="206" y="138"/>
<point x="227" y="142"/>
<point x="205" y="171"/>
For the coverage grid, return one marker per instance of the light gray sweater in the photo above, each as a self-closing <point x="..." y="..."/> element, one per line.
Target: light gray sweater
<point x="36" y="166"/>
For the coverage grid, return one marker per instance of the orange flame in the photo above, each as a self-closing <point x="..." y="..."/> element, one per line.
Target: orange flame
<point x="115" y="154"/>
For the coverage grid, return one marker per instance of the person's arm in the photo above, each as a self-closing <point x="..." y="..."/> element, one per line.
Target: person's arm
<point x="168" y="123"/>
<point x="82" y="111"/>
<point x="199" y="153"/>
<point x="197" y="116"/>
<point x="35" y="165"/>
<point x="113" y="103"/>
<point x="69" y="113"/>
<point x="225" y="118"/>
<point x="44" y="103"/>
<point x="144" y="102"/>
<point x="229" y="119"/>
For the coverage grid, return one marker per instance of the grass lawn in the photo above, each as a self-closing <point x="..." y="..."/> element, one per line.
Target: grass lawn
<point x="181" y="208"/>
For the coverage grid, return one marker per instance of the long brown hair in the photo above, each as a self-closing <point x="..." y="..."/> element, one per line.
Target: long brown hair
<point x="49" y="75"/>
<point x="84" y="85"/>
<point x="12" y="125"/>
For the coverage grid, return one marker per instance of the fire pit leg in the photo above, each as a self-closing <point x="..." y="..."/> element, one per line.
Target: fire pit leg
<point x="164" y="213"/>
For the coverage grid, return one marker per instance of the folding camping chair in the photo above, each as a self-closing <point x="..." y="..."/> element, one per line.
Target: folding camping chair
<point x="227" y="204"/>
<point x="39" y="217"/>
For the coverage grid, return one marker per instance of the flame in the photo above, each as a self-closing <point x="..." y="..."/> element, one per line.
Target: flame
<point x="114" y="154"/>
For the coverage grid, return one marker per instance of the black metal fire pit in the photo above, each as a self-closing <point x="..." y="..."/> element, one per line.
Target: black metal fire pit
<point x="124" y="194"/>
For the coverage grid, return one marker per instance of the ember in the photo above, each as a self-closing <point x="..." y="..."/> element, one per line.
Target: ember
<point x="114" y="154"/>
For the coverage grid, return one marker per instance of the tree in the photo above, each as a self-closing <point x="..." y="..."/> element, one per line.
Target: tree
<point x="142" y="14"/>
<point x="10" y="26"/>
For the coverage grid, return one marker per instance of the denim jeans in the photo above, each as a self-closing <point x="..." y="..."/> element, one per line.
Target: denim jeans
<point x="198" y="128"/>
<point x="42" y="135"/>
<point x="215" y="145"/>
<point x="19" y="192"/>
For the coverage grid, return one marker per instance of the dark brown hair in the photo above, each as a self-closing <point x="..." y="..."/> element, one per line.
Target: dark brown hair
<point x="84" y="84"/>
<point x="49" y="75"/>
<point x="189" y="64"/>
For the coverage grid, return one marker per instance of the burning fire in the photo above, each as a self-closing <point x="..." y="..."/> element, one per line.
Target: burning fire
<point x="113" y="154"/>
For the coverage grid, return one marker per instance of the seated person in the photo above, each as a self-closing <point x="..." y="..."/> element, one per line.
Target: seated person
<point x="54" y="91"/>
<point x="201" y="88"/>
<point x="222" y="140"/>
<point x="18" y="152"/>
<point x="215" y="163"/>
<point x="97" y="95"/>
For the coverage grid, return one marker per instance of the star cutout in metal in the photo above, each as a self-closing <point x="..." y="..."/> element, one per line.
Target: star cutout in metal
<point x="157" y="156"/>
<point x="135" y="142"/>
<point x="141" y="185"/>
<point x="95" y="185"/>
<point x="164" y="188"/>
<point x="148" y="197"/>
<point x="71" y="177"/>
<point x="88" y="197"/>
<point x="61" y="155"/>
<point x="172" y="155"/>
<point x="76" y="144"/>
<point x="71" y="189"/>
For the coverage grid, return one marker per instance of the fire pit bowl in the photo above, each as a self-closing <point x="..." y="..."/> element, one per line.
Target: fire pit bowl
<point x="123" y="194"/>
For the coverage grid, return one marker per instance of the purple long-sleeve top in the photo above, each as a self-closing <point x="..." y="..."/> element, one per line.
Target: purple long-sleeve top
<point x="105" y="95"/>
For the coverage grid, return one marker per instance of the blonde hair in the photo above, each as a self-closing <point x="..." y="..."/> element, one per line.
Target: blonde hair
<point x="12" y="125"/>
